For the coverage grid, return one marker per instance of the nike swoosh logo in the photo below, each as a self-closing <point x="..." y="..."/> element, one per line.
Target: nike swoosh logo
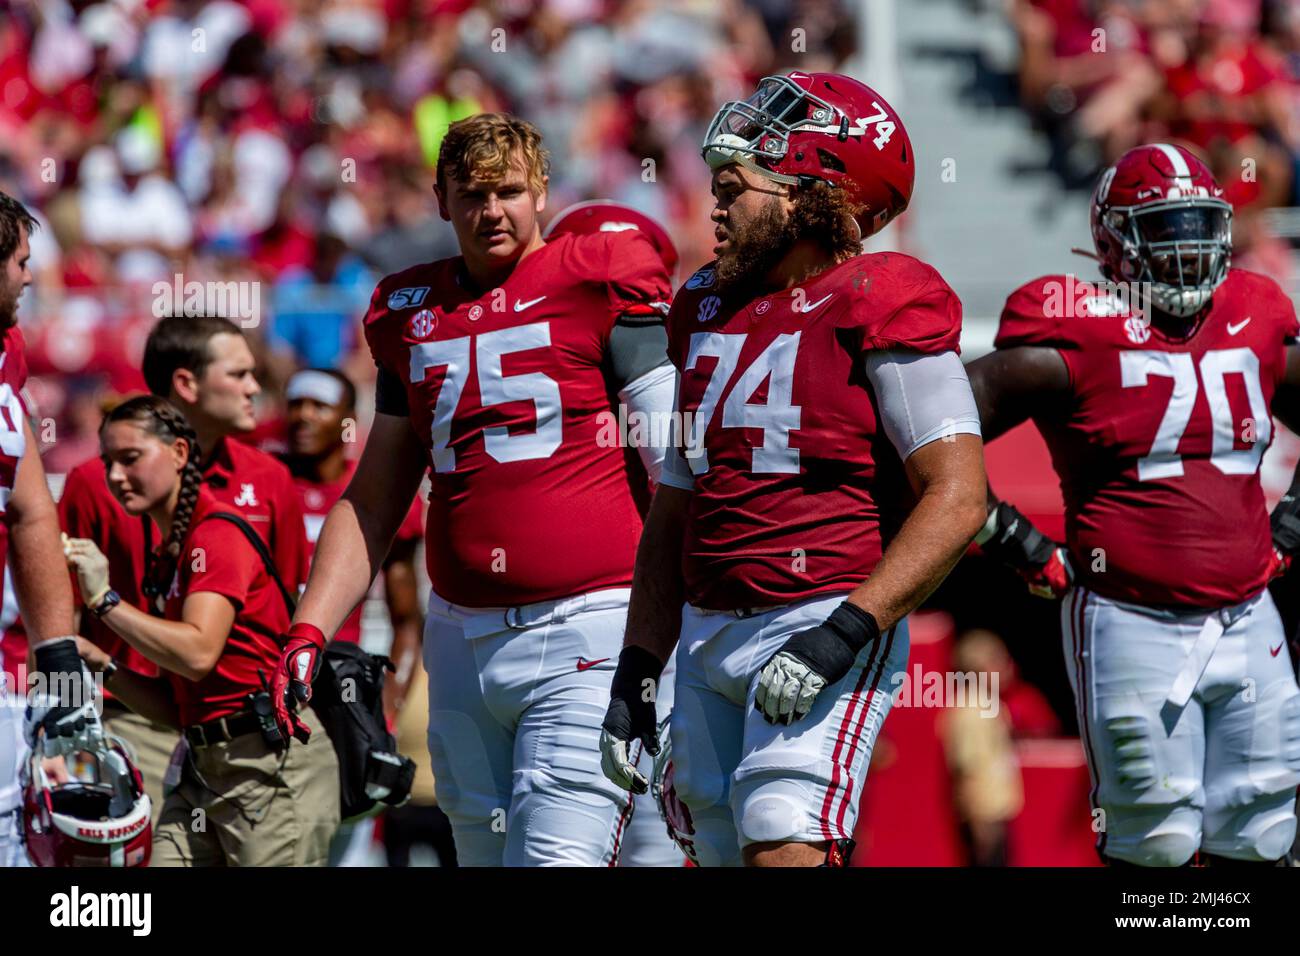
<point x="520" y="306"/>
<point x="586" y="665"/>
<point x="1273" y="651"/>
<point x="1234" y="329"/>
<point x="809" y="307"/>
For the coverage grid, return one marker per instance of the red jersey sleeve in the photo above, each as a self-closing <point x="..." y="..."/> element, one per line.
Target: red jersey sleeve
<point x="638" y="281"/>
<point x="371" y="325"/>
<point x="901" y="303"/>
<point x="1270" y="303"/>
<point x="80" y="516"/>
<point x="1028" y="318"/>
<point x="79" y="512"/>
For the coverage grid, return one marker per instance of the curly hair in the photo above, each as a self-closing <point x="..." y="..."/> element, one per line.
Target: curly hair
<point x="164" y="421"/>
<point x="484" y="146"/>
<point x="825" y="213"/>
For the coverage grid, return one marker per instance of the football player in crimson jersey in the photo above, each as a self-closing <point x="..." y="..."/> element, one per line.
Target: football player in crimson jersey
<point x="1153" y="391"/>
<point x="321" y="409"/>
<point x="63" y="703"/>
<point x="832" y="475"/>
<point x="496" y="372"/>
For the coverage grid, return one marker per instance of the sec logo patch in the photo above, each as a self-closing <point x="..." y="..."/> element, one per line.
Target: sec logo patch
<point x="423" y="323"/>
<point x="708" y="308"/>
<point x="762" y="307"/>
<point x="1137" y="330"/>
<point x="475" y="313"/>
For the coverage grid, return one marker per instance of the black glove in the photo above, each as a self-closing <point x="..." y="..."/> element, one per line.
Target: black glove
<point x="810" y="660"/>
<point x="63" y="703"/>
<point x="1285" y="522"/>
<point x="1039" y="560"/>
<point x="1016" y="542"/>
<point x="631" y="716"/>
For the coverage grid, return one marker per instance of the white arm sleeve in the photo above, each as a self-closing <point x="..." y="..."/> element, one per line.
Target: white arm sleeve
<point x="920" y="398"/>
<point x="650" y="398"/>
<point x="676" y="473"/>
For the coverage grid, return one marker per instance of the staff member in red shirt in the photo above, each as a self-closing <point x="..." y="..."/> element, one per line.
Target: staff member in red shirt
<point x="322" y="403"/>
<point x="204" y="366"/>
<point x="264" y="804"/>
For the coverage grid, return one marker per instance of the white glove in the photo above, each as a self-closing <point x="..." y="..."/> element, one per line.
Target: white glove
<point x="787" y="688"/>
<point x="616" y="765"/>
<point x="88" y="561"/>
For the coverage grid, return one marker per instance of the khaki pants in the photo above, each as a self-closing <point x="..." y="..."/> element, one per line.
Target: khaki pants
<point x="150" y="746"/>
<point x="242" y="804"/>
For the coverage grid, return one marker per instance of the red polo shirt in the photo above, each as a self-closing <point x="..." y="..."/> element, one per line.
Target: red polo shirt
<point x="260" y="489"/>
<point x="216" y="557"/>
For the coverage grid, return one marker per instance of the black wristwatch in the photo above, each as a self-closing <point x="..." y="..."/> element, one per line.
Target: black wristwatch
<point x="111" y="600"/>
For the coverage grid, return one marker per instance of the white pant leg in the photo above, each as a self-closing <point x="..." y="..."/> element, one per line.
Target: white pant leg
<point x="802" y="783"/>
<point x="646" y="841"/>
<point x="471" y="750"/>
<point x="706" y="730"/>
<point x="1252" y="739"/>
<point x="13" y="753"/>
<point x="563" y="810"/>
<point x="799" y="783"/>
<point x="12" y="853"/>
<point x="1147" y="762"/>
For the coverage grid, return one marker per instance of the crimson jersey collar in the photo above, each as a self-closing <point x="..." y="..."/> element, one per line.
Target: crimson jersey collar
<point x="219" y="464"/>
<point x="464" y="282"/>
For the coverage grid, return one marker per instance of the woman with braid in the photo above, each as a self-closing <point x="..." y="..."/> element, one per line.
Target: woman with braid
<point x="219" y="614"/>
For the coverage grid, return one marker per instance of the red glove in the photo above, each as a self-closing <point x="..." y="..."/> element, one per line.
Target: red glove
<point x="1051" y="580"/>
<point x="298" y="664"/>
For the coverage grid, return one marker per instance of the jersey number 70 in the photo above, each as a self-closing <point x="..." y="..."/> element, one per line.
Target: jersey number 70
<point x="1163" y="460"/>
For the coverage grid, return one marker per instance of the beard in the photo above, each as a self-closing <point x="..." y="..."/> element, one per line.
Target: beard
<point x="756" y="249"/>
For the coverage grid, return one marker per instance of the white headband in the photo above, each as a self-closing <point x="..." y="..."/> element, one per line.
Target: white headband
<point x="317" y="386"/>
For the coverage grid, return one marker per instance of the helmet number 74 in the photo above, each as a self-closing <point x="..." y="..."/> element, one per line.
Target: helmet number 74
<point x="884" y="126"/>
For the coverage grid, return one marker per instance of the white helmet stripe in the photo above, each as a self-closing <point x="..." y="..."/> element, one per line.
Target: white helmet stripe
<point x="1181" y="169"/>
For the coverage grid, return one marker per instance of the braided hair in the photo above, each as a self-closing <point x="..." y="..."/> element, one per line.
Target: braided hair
<point x="164" y="421"/>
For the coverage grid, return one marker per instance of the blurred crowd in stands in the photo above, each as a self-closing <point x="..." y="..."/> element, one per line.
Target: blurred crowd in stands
<point x="290" y="144"/>
<point x="1220" y="76"/>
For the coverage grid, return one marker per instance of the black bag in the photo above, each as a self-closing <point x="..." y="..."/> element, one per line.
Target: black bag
<point x="347" y="695"/>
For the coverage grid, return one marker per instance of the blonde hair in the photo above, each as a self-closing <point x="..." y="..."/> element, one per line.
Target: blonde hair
<point x="485" y="147"/>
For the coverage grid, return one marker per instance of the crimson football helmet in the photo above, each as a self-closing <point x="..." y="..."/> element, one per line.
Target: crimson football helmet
<point x="820" y="126"/>
<point x="1159" y="217"/>
<point x="605" y="215"/>
<point x="103" y="822"/>
<point x="674" y="813"/>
